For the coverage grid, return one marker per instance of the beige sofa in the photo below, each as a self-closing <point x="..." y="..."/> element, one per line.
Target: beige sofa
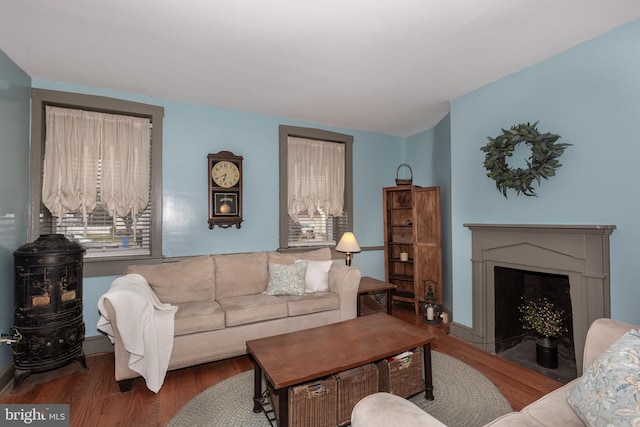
<point x="386" y="410"/>
<point x="222" y="303"/>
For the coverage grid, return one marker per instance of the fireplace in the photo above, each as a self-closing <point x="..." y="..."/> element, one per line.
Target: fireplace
<point x="578" y="252"/>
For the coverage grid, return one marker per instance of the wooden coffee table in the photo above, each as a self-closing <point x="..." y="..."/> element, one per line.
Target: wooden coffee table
<point x="296" y="358"/>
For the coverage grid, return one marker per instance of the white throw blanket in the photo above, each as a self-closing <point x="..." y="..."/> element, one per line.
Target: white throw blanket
<point x="145" y="325"/>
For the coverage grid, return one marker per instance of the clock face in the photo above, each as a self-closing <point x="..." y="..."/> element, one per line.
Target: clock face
<point x="225" y="174"/>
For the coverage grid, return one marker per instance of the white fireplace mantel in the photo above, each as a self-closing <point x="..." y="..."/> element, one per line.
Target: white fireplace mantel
<point x="580" y="252"/>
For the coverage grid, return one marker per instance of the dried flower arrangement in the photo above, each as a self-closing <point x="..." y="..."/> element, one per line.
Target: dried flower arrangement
<point x="543" y="317"/>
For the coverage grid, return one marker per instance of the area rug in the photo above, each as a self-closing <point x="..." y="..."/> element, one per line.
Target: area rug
<point x="464" y="398"/>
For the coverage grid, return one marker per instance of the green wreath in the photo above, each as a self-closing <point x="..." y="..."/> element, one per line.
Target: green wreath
<point x="541" y="164"/>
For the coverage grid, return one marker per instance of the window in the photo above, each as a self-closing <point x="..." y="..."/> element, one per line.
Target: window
<point x="322" y="222"/>
<point x="112" y="234"/>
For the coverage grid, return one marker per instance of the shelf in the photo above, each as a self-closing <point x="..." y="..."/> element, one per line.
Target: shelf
<point x="401" y="298"/>
<point x="399" y="260"/>
<point x="400" y="294"/>
<point x="401" y="277"/>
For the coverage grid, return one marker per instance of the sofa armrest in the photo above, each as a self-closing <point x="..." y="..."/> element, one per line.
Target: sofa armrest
<point x="344" y="281"/>
<point x="388" y="410"/>
<point x="602" y="333"/>
<point x="121" y="355"/>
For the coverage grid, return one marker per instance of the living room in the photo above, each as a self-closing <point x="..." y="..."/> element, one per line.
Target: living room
<point x="588" y="94"/>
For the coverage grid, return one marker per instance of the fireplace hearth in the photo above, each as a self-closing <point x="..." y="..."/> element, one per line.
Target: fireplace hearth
<point x="578" y="252"/>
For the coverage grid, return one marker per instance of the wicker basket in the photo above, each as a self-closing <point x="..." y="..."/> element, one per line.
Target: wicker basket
<point x="403" y="377"/>
<point x="404" y="181"/>
<point x="353" y="385"/>
<point x="312" y="404"/>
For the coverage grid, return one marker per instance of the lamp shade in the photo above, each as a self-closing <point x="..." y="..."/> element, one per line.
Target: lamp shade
<point x="348" y="243"/>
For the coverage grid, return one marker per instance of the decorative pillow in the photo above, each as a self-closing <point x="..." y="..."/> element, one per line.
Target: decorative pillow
<point x="286" y="279"/>
<point x="317" y="277"/>
<point x="609" y="392"/>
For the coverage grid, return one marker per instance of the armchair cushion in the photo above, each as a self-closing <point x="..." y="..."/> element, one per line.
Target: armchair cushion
<point x="389" y="410"/>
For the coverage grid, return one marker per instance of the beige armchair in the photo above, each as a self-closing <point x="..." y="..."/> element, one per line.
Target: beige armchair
<point x="387" y="410"/>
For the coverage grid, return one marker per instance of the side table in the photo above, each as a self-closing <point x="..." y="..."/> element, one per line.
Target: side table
<point x="369" y="285"/>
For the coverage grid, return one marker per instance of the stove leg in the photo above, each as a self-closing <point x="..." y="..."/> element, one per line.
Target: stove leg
<point x="83" y="361"/>
<point x="18" y="378"/>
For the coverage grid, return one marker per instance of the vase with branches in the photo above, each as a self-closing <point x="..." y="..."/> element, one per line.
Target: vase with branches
<point x="547" y="321"/>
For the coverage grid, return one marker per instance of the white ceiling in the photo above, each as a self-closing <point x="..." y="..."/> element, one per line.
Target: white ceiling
<point x="387" y="66"/>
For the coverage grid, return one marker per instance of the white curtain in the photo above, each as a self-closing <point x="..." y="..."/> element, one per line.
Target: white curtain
<point x="70" y="173"/>
<point x="315" y="177"/>
<point x="125" y="166"/>
<point x="76" y="141"/>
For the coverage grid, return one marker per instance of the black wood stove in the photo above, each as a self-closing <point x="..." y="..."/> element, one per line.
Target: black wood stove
<point x="48" y="325"/>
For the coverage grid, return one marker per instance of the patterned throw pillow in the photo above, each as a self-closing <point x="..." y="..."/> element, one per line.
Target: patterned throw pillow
<point x="609" y="392"/>
<point x="286" y="279"/>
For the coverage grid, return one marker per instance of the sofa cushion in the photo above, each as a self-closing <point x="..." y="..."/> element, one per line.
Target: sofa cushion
<point x="323" y="254"/>
<point x="316" y="279"/>
<point x="240" y="274"/>
<point x="608" y="392"/>
<point x="245" y="309"/>
<point x="182" y="281"/>
<point x="552" y="409"/>
<point x="312" y="303"/>
<point x="286" y="279"/>
<point x="198" y="316"/>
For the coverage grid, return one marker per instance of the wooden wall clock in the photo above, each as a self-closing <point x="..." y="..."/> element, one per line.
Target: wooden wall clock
<point x="225" y="189"/>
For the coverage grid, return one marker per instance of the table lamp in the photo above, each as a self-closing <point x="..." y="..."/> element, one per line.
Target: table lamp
<point x="348" y="244"/>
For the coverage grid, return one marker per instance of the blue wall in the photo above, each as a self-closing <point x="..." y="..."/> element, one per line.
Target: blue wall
<point x="590" y="95"/>
<point x="14" y="182"/>
<point x="192" y="131"/>
<point x="442" y="177"/>
<point x="429" y="154"/>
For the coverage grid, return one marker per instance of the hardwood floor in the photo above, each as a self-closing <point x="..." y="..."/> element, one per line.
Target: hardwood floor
<point x="95" y="399"/>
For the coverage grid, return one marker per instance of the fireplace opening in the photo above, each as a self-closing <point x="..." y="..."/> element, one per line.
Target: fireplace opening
<point x="512" y="287"/>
